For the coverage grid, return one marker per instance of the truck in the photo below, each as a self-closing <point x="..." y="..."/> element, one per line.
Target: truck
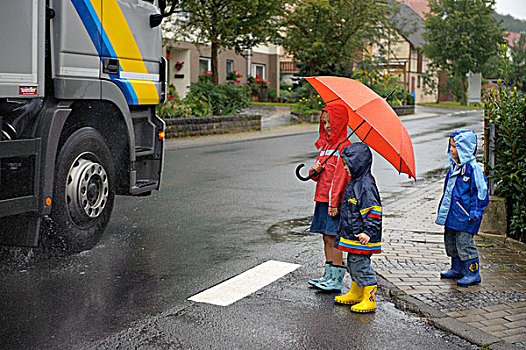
<point x="79" y="84"/>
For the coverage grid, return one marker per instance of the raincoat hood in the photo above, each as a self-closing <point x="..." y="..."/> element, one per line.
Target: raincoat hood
<point x="466" y="143"/>
<point x="358" y="158"/>
<point x="338" y="117"/>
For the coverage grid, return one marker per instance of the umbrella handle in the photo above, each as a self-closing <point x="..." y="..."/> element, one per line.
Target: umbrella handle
<point x="299" y="176"/>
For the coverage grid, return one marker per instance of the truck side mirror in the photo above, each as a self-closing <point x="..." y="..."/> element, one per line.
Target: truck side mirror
<point x="157" y="18"/>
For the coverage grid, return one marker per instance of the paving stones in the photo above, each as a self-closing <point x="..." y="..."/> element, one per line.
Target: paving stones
<point x="413" y="255"/>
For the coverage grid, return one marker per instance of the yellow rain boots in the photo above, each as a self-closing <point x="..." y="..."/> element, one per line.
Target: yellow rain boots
<point x="353" y="296"/>
<point x="368" y="303"/>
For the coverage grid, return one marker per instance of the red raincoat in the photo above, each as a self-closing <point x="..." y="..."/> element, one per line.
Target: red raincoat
<point x="332" y="181"/>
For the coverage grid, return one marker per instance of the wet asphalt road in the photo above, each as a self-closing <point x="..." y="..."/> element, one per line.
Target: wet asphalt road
<point x="218" y="214"/>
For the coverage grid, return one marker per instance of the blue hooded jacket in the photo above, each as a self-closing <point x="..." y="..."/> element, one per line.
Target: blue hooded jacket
<point x="465" y="189"/>
<point x="361" y="209"/>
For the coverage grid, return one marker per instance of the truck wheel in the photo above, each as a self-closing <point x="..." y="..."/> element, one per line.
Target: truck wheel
<point x="83" y="190"/>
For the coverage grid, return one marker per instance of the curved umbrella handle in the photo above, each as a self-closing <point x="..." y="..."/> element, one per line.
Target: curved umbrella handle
<point x="298" y="175"/>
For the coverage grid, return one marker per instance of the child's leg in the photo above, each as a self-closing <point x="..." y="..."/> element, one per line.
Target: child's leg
<point x="465" y="246"/>
<point x="331" y="253"/>
<point x="359" y="266"/>
<point x="450" y="242"/>
<point x="318" y="225"/>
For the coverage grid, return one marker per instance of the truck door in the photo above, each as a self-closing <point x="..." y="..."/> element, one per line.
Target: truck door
<point x="131" y="50"/>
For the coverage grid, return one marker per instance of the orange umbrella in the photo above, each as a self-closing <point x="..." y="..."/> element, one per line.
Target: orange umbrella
<point x="371" y="118"/>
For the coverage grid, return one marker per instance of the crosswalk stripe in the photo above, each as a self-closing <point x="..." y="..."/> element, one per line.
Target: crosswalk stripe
<point x="244" y="284"/>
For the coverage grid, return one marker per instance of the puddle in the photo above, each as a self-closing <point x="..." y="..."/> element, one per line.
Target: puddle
<point x="280" y="231"/>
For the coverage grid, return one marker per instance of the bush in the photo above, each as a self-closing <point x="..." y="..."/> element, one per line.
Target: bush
<point x="303" y="91"/>
<point x="203" y="97"/>
<point x="506" y="108"/>
<point x="206" y="99"/>
<point x="272" y="94"/>
<point x="285" y="86"/>
<point x="173" y="107"/>
<point x="235" y="97"/>
<point x="285" y="95"/>
<point x="308" y="104"/>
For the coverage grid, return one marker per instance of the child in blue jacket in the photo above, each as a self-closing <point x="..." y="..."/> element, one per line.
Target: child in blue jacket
<point x="360" y="229"/>
<point x="461" y="207"/>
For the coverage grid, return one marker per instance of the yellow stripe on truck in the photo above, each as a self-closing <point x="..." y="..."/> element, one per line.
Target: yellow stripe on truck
<point x="128" y="53"/>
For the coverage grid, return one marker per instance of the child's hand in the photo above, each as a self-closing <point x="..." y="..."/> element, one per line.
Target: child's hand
<point x="363" y="238"/>
<point x="317" y="167"/>
<point x="333" y="211"/>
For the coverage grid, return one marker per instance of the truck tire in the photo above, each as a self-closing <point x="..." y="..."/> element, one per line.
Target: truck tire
<point x="83" y="191"/>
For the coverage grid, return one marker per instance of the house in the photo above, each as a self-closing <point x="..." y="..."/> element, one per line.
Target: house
<point x="405" y="59"/>
<point x="186" y="62"/>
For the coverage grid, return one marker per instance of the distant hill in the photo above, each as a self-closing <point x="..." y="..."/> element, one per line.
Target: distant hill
<point x="511" y="24"/>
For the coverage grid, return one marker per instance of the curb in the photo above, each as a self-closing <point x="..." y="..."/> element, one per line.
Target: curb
<point x="442" y="321"/>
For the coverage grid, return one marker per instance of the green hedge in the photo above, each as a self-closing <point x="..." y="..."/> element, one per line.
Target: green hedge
<point x="506" y="108"/>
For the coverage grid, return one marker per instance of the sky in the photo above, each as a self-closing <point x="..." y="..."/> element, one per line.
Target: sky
<point x="516" y="8"/>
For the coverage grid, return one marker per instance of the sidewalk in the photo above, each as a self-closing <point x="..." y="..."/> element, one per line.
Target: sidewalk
<point x="413" y="255"/>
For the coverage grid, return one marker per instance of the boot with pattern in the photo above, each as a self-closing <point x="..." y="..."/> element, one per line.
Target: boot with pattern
<point x="325" y="277"/>
<point x="335" y="281"/>
<point x="368" y="303"/>
<point x="353" y="296"/>
<point x="472" y="276"/>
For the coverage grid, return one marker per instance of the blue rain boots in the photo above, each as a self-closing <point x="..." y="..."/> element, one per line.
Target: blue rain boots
<point x="457" y="270"/>
<point x="335" y="281"/>
<point x="472" y="275"/>
<point x="325" y="277"/>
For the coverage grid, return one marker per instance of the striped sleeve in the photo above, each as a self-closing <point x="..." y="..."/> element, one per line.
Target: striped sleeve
<point x="371" y="212"/>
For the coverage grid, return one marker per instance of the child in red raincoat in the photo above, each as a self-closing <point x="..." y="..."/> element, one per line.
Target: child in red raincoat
<point x="331" y="181"/>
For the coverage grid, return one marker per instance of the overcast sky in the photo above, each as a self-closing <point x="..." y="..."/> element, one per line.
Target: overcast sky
<point x="516" y="8"/>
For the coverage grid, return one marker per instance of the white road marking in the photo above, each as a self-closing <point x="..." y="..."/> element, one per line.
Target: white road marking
<point x="244" y="284"/>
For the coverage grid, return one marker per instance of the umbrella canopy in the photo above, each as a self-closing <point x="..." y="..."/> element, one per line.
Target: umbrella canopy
<point x="371" y="118"/>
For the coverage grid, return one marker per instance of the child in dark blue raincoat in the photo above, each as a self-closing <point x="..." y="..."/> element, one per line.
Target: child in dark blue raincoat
<point x="360" y="229"/>
<point x="461" y="207"/>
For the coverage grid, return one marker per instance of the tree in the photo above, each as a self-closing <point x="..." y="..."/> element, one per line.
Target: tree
<point x="230" y="24"/>
<point x="461" y="36"/>
<point x="322" y="33"/>
<point x="517" y="72"/>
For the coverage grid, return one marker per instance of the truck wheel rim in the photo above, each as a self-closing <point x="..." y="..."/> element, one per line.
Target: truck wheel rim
<point x="87" y="189"/>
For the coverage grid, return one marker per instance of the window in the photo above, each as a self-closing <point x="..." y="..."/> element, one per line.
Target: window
<point x="258" y="69"/>
<point x="229" y="66"/>
<point x="205" y="65"/>
<point x="418" y="82"/>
